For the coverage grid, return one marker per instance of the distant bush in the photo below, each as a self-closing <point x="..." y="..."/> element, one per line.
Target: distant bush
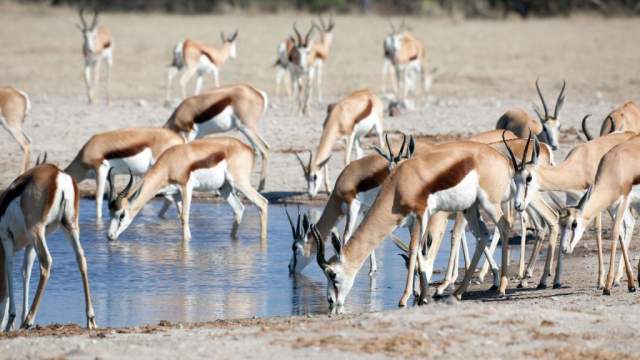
<point x="469" y="8"/>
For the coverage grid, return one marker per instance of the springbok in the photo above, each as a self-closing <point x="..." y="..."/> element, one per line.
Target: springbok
<point x="574" y="175"/>
<point x="123" y="150"/>
<point x="32" y="207"/>
<point x="355" y="190"/>
<point x="547" y="129"/>
<point x="615" y="187"/>
<point x="231" y="107"/>
<point x="97" y="46"/>
<point x="456" y="176"/>
<point x="300" y="70"/>
<point x="352" y="118"/>
<point x="198" y="59"/>
<point x="211" y="164"/>
<point x="14" y="108"/>
<point x="320" y="52"/>
<point x="282" y="64"/>
<point x="622" y="118"/>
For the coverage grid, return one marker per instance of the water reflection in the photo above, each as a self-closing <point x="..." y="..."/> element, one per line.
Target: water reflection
<point x="150" y="274"/>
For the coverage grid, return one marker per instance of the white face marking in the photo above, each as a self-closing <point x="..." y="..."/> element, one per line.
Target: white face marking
<point x="211" y="179"/>
<point x="223" y="122"/>
<point x="120" y="221"/>
<point x="314" y="181"/>
<point x="457" y="198"/>
<point x="526" y="184"/>
<point x="339" y="284"/>
<point x="233" y="50"/>
<point x="139" y="163"/>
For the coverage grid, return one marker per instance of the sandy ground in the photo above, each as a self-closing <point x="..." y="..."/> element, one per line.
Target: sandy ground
<point x="484" y="68"/>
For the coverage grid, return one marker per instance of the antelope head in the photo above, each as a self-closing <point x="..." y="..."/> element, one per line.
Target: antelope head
<point x="313" y="172"/>
<point x="325" y="29"/>
<point x="120" y="206"/>
<point x="89" y="33"/>
<point x="550" y="122"/>
<point x="301" y="50"/>
<point x="395" y="159"/>
<point x="339" y="277"/>
<point x="230" y="40"/>
<point x="573" y="223"/>
<point x="525" y="174"/>
<point x="393" y="40"/>
<point x="300" y="256"/>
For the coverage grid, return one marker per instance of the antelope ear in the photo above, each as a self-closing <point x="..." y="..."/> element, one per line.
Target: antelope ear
<point x="224" y="39"/>
<point x="137" y="193"/>
<point x="337" y="244"/>
<point x="585" y="198"/>
<point x="406" y="260"/>
<point x="324" y="162"/>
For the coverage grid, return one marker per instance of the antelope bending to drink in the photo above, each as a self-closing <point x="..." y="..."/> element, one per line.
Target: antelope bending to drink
<point x="231" y="107"/>
<point x="97" y="46"/>
<point x="547" y="129"/>
<point x="352" y="117"/>
<point x="622" y="118"/>
<point x="456" y="176"/>
<point x="14" y="108"/>
<point x="197" y="59"/>
<point x="31" y="208"/>
<point x="132" y="150"/>
<point x="213" y="164"/>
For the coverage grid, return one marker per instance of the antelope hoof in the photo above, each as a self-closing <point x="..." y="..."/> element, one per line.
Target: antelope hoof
<point x="557" y="286"/>
<point x="606" y="291"/>
<point x="26" y="325"/>
<point x="542" y="286"/>
<point x="91" y="323"/>
<point x="632" y="289"/>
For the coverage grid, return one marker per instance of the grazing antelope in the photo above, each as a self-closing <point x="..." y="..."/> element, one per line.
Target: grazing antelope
<point x="231" y="107"/>
<point x="352" y="117"/>
<point x="354" y="191"/>
<point x="574" y="175"/>
<point x="547" y="129"/>
<point x="615" y="187"/>
<point x="456" y="176"/>
<point x="33" y="206"/>
<point x="97" y="46"/>
<point x="320" y="52"/>
<point x="282" y="65"/>
<point x="623" y="118"/>
<point x="197" y="59"/>
<point x="14" y="108"/>
<point x="300" y="70"/>
<point x="212" y="164"/>
<point x="123" y="150"/>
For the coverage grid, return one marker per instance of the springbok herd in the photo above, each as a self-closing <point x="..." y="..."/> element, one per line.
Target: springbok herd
<point x="504" y="171"/>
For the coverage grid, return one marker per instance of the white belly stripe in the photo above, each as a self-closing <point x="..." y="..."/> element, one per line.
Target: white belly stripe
<point x="457" y="198"/>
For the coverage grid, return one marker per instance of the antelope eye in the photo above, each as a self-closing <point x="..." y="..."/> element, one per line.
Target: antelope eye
<point x="314" y="177"/>
<point x="529" y="178"/>
<point x="122" y="216"/>
<point x="574" y="225"/>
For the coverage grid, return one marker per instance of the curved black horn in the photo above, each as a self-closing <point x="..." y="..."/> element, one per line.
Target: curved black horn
<point x="404" y="142"/>
<point x="112" y="186"/>
<point x="298" y="36"/>
<point x="544" y="104"/>
<point x="94" y="22"/>
<point x="38" y="160"/>
<point x="389" y="151"/>
<point x="526" y="148"/>
<point x="293" y="228"/>
<point x="514" y="162"/>
<point x="84" y="22"/>
<point x="613" y="125"/>
<point x="322" y="261"/>
<point x="584" y="128"/>
<point x="306" y="38"/>
<point x="560" y="100"/>
<point x="126" y="189"/>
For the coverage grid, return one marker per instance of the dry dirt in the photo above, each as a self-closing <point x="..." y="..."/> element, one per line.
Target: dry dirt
<point x="484" y="68"/>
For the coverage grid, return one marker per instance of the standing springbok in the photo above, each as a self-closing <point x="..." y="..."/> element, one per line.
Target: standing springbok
<point x="282" y="64"/>
<point x="33" y="206"/>
<point x="547" y="129"/>
<point x="97" y="46"/>
<point x="352" y="118"/>
<point x="231" y="107"/>
<point x="197" y="59"/>
<point x="320" y="52"/>
<point x="615" y="186"/>
<point x="622" y="118"/>
<point x="355" y="190"/>
<point x="14" y="108"/>
<point x="212" y="164"/>
<point x="301" y="71"/>
<point x="574" y="175"/>
<point x="456" y="176"/>
<point x="123" y="150"/>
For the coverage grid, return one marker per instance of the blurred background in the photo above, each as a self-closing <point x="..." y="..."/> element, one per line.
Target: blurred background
<point x="466" y="8"/>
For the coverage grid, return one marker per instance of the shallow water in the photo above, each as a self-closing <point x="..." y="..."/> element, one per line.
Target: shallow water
<point x="149" y="275"/>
